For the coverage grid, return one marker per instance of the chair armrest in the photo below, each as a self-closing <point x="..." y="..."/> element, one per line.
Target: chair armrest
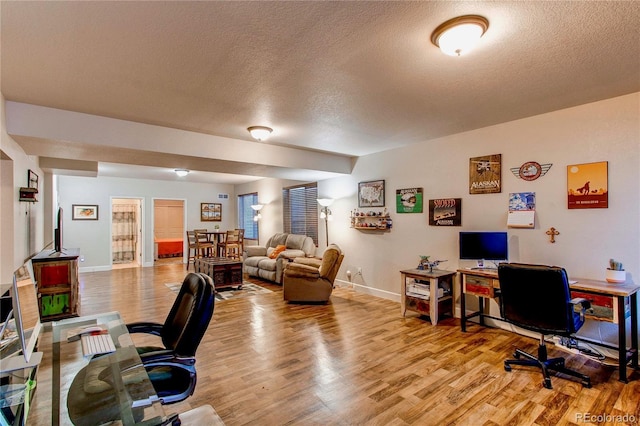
<point x="145" y="327"/>
<point x="255" y="251"/>
<point x="310" y="261"/>
<point x="166" y="357"/>
<point x="584" y="305"/>
<point x="291" y="254"/>
<point x="299" y="270"/>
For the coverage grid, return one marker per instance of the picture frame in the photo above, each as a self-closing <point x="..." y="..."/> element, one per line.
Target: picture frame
<point x="588" y="185"/>
<point x="210" y="212"/>
<point x="409" y="200"/>
<point x="445" y="212"/>
<point x="371" y="193"/>
<point x="84" y="212"/>
<point x="485" y="174"/>
<point x="32" y="179"/>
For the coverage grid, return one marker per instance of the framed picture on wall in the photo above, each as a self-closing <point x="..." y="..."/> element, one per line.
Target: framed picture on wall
<point x="32" y="179"/>
<point x="409" y="200"/>
<point x="210" y="212"/>
<point x="84" y="212"/>
<point x="371" y="194"/>
<point x="485" y="174"/>
<point x="588" y="186"/>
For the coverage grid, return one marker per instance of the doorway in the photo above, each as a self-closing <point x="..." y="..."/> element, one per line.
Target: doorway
<point x="126" y="232"/>
<point x="168" y="231"/>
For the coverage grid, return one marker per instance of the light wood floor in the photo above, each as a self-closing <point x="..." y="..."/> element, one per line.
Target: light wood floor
<point x="356" y="361"/>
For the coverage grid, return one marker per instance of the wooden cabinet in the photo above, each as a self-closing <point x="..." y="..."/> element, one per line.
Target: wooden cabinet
<point x="56" y="275"/>
<point x="427" y="292"/>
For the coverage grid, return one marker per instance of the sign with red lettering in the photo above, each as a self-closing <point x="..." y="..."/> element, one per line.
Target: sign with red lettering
<point x="445" y="212"/>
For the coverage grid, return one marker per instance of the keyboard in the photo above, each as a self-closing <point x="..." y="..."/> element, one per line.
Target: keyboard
<point x="93" y="344"/>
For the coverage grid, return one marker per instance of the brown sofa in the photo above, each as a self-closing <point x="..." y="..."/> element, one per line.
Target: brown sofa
<point x="311" y="280"/>
<point x="257" y="263"/>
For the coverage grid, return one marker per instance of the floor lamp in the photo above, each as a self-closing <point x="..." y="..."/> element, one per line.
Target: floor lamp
<point x="257" y="217"/>
<point x="325" y="214"/>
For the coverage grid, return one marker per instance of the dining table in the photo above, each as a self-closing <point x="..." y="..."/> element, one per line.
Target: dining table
<point x="217" y="236"/>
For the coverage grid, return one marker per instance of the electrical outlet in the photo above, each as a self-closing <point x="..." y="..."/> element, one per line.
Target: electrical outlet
<point x="359" y="271"/>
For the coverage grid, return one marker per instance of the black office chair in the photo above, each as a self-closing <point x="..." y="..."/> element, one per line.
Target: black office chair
<point x="172" y="368"/>
<point x="537" y="298"/>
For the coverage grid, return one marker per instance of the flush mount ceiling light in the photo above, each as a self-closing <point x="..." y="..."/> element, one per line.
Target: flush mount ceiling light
<point x="459" y="35"/>
<point x="181" y="172"/>
<point x="260" y="133"/>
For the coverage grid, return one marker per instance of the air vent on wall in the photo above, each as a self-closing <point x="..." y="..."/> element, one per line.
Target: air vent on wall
<point x="223" y="196"/>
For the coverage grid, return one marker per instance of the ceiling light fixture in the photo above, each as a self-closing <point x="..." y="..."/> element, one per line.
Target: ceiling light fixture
<point x="459" y="35"/>
<point x="181" y="172"/>
<point x="260" y="133"/>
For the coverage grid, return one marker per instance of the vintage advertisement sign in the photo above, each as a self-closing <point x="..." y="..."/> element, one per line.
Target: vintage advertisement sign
<point x="445" y="212"/>
<point x="409" y="200"/>
<point x="587" y="186"/>
<point x="485" y="174"/>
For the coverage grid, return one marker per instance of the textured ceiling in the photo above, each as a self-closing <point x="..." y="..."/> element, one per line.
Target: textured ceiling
<point x="350" y="78"/>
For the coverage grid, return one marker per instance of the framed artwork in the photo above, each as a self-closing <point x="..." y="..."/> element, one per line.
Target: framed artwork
<point x="32" y="179"/>
<point x="485" y="174"/>
<point x="371" y="194"/>
<point x="210" y="212"/>
<point x="587" y="186"/>
<point x="84" y="212"/>
<point x="445" y="212"/>
<point x="409" y="200"/>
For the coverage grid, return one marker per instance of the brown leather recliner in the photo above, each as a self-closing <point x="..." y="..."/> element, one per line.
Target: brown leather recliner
<point x="307" y="281"/>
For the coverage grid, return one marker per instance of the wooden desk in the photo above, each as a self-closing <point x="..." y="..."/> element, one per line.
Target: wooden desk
<point x="433" y="305"/>
<point x="609" y="303"/>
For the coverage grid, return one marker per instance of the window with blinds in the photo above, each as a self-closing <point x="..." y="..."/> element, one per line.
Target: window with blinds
<point x="246" y="214"/>
<point x="300" y="210"/>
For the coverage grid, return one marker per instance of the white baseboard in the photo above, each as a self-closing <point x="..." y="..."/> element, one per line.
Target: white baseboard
<point x="368" y="290"/>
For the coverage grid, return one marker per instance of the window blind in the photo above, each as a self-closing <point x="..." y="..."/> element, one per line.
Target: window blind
<point x="246" y="214"/>
<point x="300" y="210"/>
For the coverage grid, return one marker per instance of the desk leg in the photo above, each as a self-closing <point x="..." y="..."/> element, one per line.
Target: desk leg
<point x="403" y="294"/>
<point x="463" y="306"/>
<point x="633" y="300"/>
<point x="622" y="341"/>
<point x="55" y="385"/>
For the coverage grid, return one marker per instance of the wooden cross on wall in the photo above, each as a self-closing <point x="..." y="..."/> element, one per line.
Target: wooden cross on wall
<point x="552" y="234"/>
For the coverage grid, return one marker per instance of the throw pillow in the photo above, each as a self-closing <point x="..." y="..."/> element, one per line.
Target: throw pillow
<point x="276" y="251"/>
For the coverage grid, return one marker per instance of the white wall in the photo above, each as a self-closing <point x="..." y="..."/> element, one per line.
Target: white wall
<point x="21" y="229"/>
<point x="93" y="237"/>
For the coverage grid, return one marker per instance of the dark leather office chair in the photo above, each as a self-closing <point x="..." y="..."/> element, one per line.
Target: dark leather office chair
<point x="537" y="298"/>
<point x="172" y="368"/>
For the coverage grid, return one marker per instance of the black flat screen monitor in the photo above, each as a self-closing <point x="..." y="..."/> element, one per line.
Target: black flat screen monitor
<point x="484" y="246"/>
<point x="57" y="236"/>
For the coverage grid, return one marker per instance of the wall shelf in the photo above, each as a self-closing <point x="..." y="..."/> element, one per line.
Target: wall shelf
<point x="371" y="221"/>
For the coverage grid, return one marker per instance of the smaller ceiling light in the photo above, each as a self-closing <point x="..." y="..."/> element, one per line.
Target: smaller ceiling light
<point x="459" y="35"/>
<point x="260" y="133"/>
<point x="181" y="172"/>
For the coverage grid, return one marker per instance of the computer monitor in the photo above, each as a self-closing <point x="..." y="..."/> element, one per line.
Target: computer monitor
<point x="480" y="246"/>
<point x="26" y="314"/>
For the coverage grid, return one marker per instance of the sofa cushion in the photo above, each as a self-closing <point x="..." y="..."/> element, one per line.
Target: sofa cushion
<point x="254" y="260"/>
<point x="277" y="239"/>
<point x="267" y="264"/>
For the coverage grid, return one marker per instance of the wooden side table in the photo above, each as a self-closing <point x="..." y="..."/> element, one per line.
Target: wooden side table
<point x="438" y="300"/>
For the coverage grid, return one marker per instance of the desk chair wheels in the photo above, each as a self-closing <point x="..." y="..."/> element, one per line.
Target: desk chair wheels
<point x="541" y="361"/>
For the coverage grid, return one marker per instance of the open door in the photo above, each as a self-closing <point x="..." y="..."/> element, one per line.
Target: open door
<point x="126" y="232"/>
<point x="168" y="231"/>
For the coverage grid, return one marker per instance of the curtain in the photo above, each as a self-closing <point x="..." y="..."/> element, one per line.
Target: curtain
<point x="123" y="231"/>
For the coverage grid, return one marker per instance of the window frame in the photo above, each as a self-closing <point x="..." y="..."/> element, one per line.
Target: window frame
<point x="302" y="217"/>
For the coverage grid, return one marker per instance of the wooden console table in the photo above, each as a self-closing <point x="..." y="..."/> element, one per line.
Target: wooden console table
<point x="432" y="304"/>
<point x="610" y="302"/>
<point x="56" y="275"/>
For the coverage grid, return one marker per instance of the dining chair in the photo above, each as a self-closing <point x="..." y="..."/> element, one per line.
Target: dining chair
<point x="192" y="248"/>
<point x="231" y="244"/>
<point x="204" y="247"/>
